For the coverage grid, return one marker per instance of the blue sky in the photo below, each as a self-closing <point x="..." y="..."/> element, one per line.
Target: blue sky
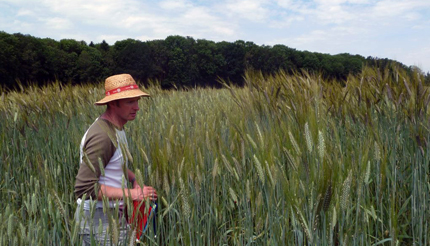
<point x="394" y="29"/>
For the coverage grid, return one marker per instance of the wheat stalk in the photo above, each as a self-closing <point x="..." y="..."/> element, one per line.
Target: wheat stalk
<point x="305" y="226"/>
<point x="184" y="197"/>
<point x="208" y="143"/>
<point x="294" y="143"/>
<point x="166" y="186"/>
<point x="75" y="233"/>
<point x="145" y="157"/>
<point x="115" y="232"/>
<point x="215" y="169"/>
<point x="367" y="175"/>
<point x="251" y="141"/>
<point x="23" y="232"/>
<point x="327" y="197"/>
<point x="321" y="145"/>
<point x="272" y="181"/>
<point x="102" y="169"/>
<point x="260" y="136"/>
<point x="227" y="163"/>
<point x="132" y="241"/>
<point x="259" y="169"/>
<point x="139" y="178"/>
<point x="87" y="162"/>
<point x="232" y="195"/>
<point x="345" y="191"/>
<point x="308" y="138"/>
<point x="290" y="159"/>
<point x="10" y="226"/>
<point x="100" y="229"/>
<point x="237" y="165"/>
<point x="377" y="152"/>
<point x="248" y="189"/>
<point x="33" y="203"/>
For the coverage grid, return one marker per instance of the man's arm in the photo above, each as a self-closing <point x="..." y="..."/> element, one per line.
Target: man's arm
<point x="132" y="178"/>
<point x="136" y="194"/>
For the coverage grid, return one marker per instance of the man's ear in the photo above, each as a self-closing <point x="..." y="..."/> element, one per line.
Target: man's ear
<point x="111" y="104"/>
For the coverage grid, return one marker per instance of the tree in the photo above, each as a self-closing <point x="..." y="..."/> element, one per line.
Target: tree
<point x="208" y="60"/>
<point x="234" y="65"/>
<point x="89" y="66"/>
<point x="132" y="57"/>
<point x="71" y="46"/>
<point x="104" y="46"/>
<point x="181" y="63"/>
<point x="310" y="61"/>
<point x="9" y="64"/>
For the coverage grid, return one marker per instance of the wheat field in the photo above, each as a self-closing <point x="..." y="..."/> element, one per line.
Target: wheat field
<point x="285" y="160"/>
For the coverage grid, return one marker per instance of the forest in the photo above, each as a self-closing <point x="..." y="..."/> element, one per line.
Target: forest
<point x="173" y="62"/>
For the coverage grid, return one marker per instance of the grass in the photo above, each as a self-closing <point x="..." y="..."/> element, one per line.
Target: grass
<point x="286" y="160"/>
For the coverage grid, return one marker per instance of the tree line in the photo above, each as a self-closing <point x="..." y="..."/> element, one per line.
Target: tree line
<point x="175" y="61"/>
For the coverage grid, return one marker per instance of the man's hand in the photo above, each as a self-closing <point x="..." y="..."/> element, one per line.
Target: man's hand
<point x="139" y="194"/>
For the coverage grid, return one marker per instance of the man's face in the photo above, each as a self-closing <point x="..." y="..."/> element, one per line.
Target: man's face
<point x="126" y="109"/>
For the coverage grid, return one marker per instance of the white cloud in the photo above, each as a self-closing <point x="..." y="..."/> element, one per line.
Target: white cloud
<point x="95" y="11"/>
<point x="303" y="41"/>
<point x="330" y="2"/>
<point x="286" y="21"/>
<point x="396" y="8"/>
<point x="134" y="21"/>
<point x="200" y="15"/>
<point x="22" y="25"/>
<point x="359" y="1"/>
<point x="333" y="14"/>
<point x="174" y="5"/>
<point x="25" y="12"/>
<point x="295" y="5"/>
<point x="251" y="10"/>
<point x="58" y="23"/>
<point x="285" y="3"/>
<point x="18" y="2"/>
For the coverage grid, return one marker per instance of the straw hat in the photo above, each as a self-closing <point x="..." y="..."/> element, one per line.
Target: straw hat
<point x="119" y="87"/>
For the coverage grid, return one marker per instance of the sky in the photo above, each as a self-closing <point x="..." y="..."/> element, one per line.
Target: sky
<point x="393" y="29"/>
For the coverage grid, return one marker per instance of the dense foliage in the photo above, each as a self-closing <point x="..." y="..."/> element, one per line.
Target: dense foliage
<point x="283" y="160"/>
<point x="178" y="61"/>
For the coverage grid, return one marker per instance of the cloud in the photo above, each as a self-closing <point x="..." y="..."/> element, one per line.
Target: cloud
<point x="286" y="21"/>
<point x="174" y="5"/>
<point x="334" y="14"/>
<point x="134" y="22"/>
<point x="251" y="10"/>
<point x="58" y="23"/>
<point x="202" y="19"/>
<point x="84" y="8"/>
<point x="396" y="8"/>
<point x="25" y="12"/>
<point x="295" y="5"/>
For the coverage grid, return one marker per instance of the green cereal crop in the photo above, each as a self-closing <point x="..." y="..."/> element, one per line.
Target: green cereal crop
<point x="285" y="160"/>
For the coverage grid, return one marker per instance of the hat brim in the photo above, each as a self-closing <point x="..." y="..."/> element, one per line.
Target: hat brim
<point x="122" y="95"/>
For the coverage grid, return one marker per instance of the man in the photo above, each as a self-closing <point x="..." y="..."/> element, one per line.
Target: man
<point x="101" y="182"/>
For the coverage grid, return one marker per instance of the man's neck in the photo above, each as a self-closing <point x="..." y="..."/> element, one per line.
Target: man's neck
<point x="113" y="119"/>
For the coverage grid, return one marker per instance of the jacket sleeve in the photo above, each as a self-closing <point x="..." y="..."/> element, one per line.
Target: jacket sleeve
<point x="98" y="149"/>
